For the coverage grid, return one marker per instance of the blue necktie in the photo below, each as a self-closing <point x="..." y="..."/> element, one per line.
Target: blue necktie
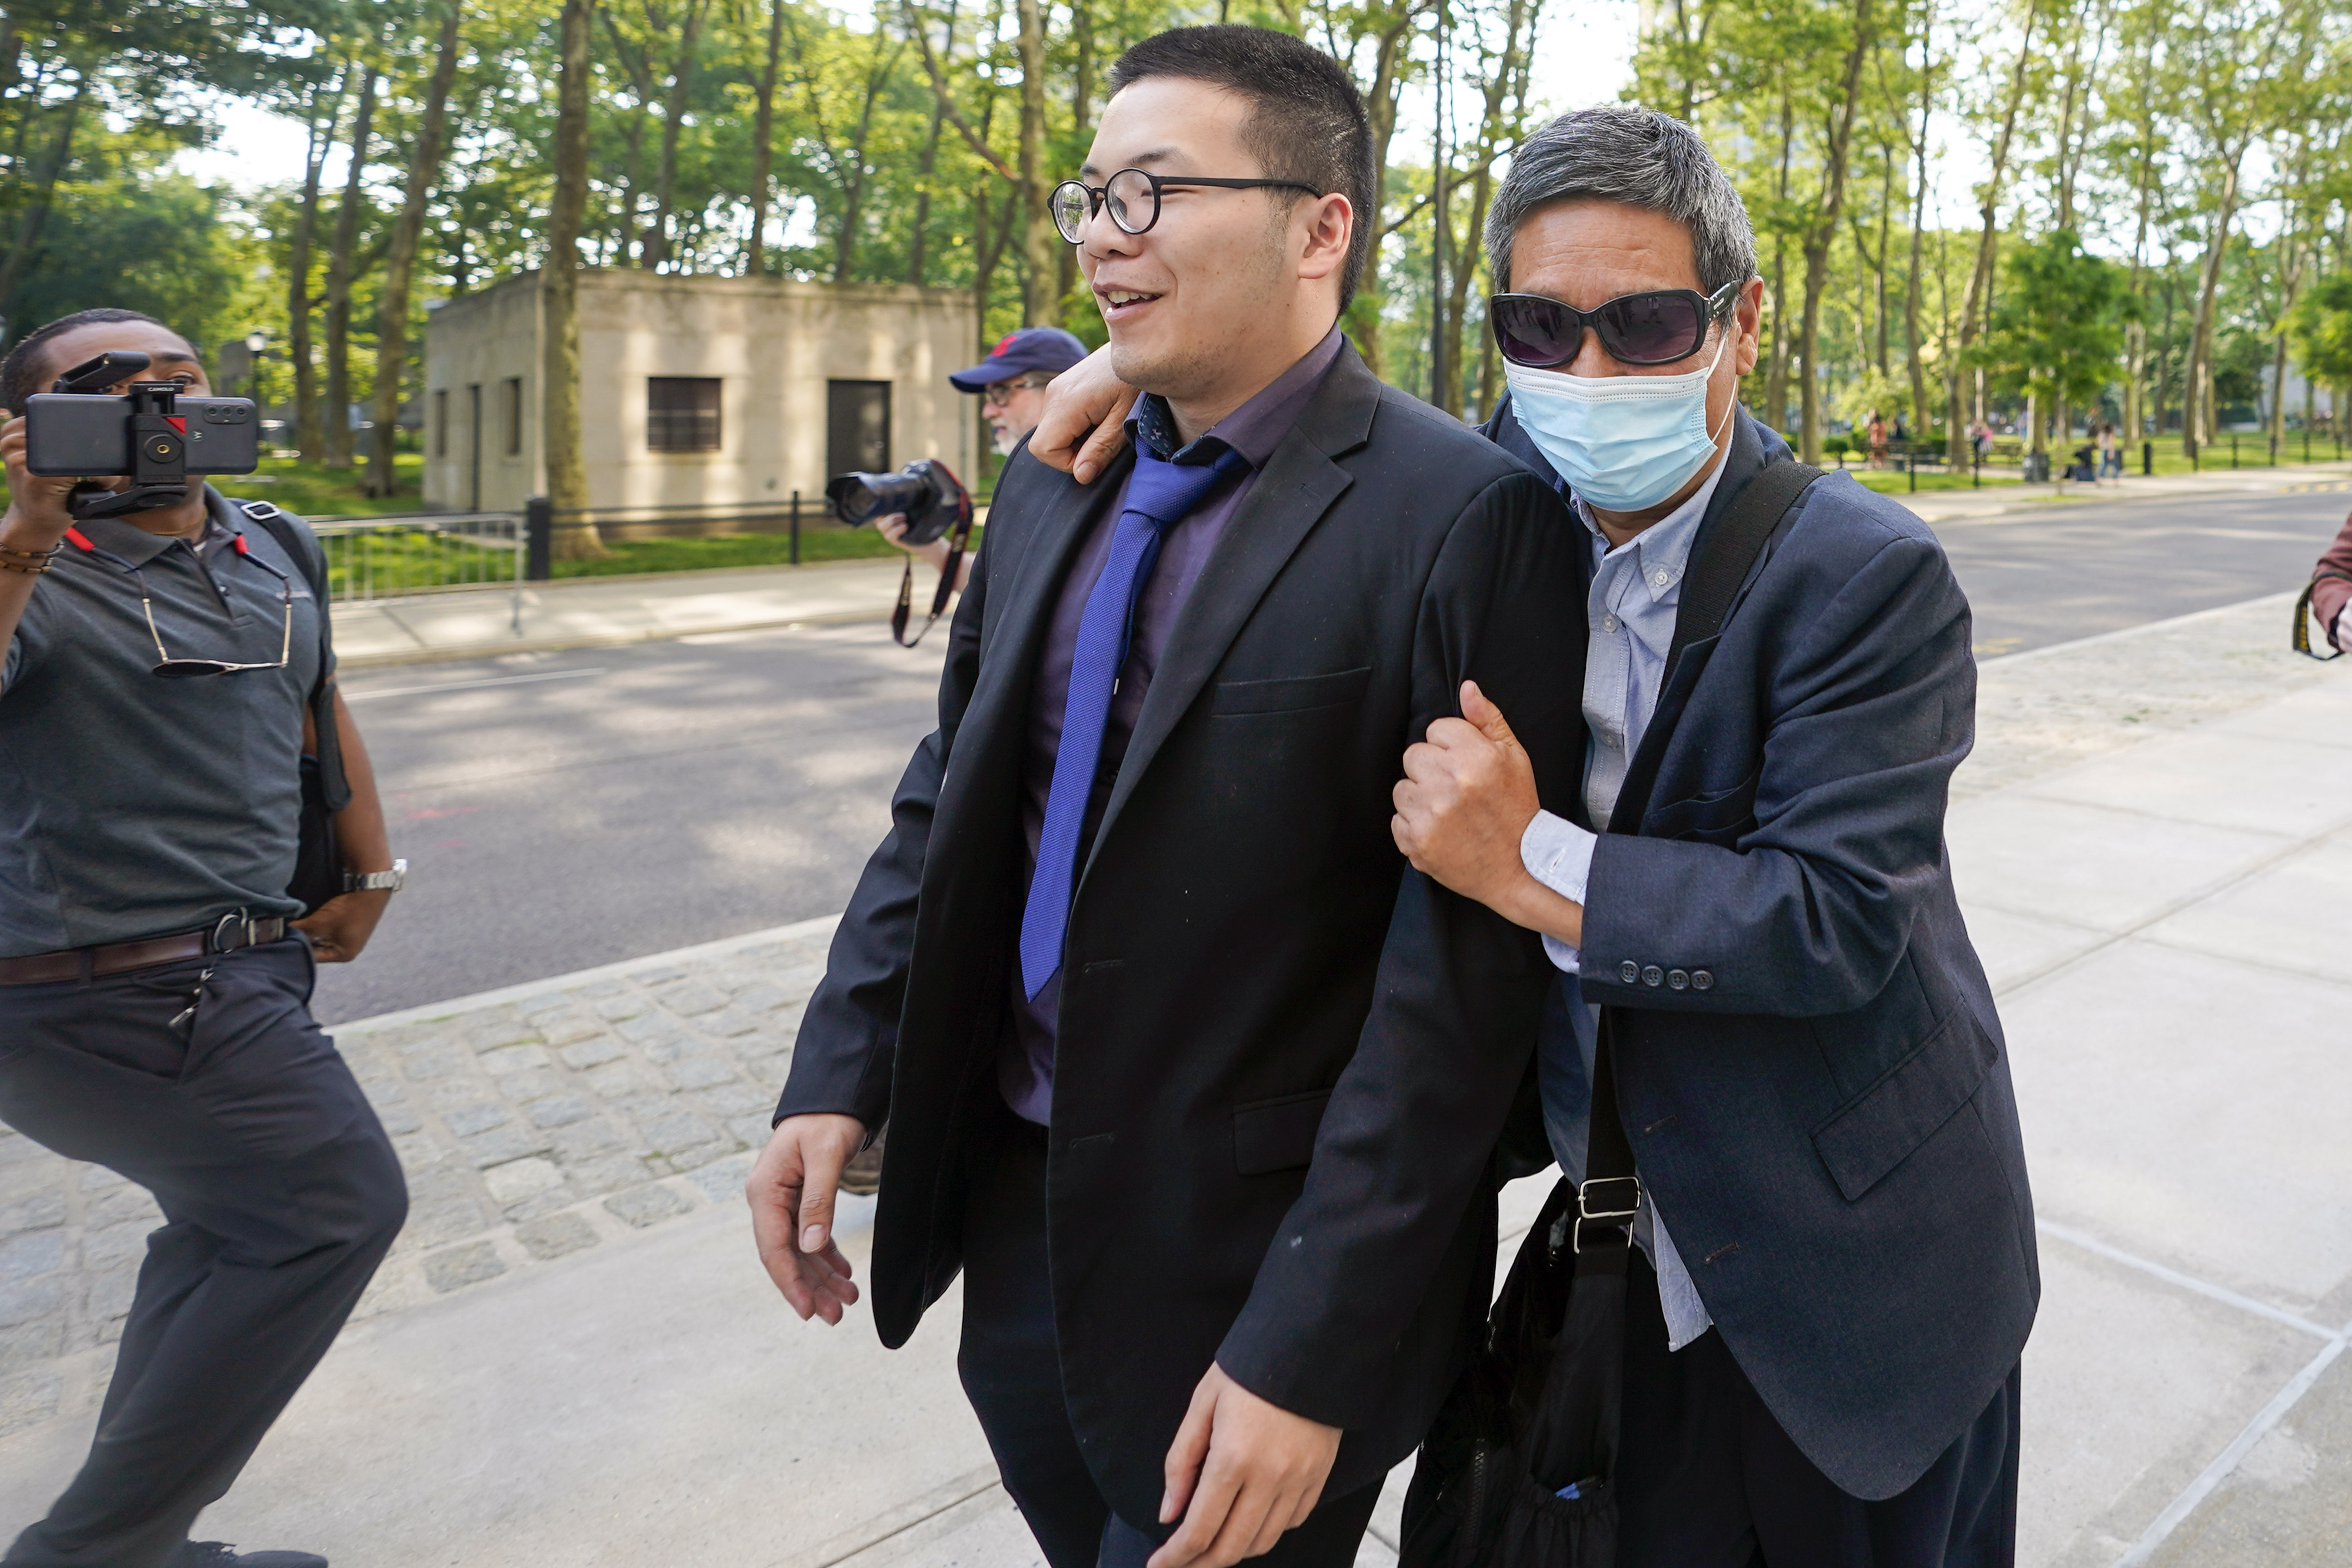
<point x="1159" y="494"/>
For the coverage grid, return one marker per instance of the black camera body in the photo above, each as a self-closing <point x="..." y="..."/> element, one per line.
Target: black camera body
<point x="152" y="434"/>
<point x="928" y="491"/>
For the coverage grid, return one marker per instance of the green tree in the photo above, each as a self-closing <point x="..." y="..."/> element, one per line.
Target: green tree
<point x="2058" y="331"/>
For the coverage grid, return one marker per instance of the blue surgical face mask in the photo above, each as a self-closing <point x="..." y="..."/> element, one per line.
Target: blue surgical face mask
<point x="1624" y="443"/>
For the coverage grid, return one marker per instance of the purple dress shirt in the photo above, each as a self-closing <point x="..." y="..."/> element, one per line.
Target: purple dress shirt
<point x="1025" y="1064"/>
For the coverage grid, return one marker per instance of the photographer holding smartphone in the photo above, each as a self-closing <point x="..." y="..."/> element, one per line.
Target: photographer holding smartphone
<point x="168" y="666"/>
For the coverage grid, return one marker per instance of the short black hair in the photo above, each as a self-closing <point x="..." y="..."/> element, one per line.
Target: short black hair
<point x="1310" y="124"/>
<point x="20" y="373"/>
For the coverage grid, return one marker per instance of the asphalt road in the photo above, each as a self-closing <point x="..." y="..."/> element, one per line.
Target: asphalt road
<point x="567" y="810"/>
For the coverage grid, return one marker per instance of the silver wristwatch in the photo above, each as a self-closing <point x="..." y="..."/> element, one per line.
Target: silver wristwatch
<point x="390" y="881"/>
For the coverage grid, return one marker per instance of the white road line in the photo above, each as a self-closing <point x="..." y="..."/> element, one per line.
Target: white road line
<point x="2221" y="1293"/>
<point x="469" y="685"/>
<point x="2229" y="1458"/>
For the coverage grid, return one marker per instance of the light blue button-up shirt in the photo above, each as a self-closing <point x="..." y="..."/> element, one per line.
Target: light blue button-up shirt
<point x="1637" y="591"/>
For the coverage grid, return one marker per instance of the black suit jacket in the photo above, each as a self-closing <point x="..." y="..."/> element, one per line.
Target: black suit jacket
<point x="1283" y="1057"/>
<point x="1828" y="1126"/>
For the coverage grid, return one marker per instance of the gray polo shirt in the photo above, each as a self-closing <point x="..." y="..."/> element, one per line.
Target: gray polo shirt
<point x="131" y="806"/>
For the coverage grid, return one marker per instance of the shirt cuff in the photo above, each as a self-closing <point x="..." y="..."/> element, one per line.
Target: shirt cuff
<point x="1558" y="853"/>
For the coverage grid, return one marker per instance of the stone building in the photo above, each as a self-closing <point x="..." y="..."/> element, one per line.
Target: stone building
<point x="697" y="391"/>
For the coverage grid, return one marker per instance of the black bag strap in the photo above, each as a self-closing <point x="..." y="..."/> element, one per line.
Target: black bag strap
<point x="2303" y="615"/>
<point x="1726" y="554"/>
<point x="958" y="541"/>
<point x="1610" y="1195"/>
<point x="302" y="549"/>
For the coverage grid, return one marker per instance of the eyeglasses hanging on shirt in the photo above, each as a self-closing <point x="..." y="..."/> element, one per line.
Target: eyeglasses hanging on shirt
<point x="171" y="669"/>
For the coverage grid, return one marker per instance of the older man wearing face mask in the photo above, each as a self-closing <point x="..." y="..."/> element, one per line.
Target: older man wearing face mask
<point x="1838" y="1269"/>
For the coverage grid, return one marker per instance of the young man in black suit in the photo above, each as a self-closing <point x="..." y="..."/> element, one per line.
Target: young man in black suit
<point x="1185" y="1070"/>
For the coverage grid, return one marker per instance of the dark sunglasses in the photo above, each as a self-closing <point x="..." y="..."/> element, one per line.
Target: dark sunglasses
<point x="1656" y="328"/>
<point x="1133" y="197"/>
<point x="171" y="669"/>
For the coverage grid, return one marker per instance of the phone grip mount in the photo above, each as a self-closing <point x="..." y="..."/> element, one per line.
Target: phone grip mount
<point x="158" y="438"/>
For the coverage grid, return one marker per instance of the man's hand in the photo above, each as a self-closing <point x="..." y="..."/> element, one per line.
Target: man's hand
<point x="1465" y="800"/>
<point x="894" y="528"/>
<point x="36" y="516"/>
<point x="1086" y="404"/>
<point x="1241" y="1472"/>
<point x="340" y="927"/>
<point x="792" y="1193"/>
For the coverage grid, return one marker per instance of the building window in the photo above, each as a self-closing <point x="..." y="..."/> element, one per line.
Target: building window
<point x="682" y="413"/>
<point x="510" y="411"/>
<point x="441" y="423"/>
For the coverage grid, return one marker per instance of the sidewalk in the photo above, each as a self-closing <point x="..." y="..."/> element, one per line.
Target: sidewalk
<point x="572" y="1358"/>
<point x="590" y="612"/>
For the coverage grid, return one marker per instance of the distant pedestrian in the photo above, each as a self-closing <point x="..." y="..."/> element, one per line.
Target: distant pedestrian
<point x="1012" y="383"/>
<point x="2111" y="452"/>
<point x="154" y="978"/>
<point x="1876" y="436"/>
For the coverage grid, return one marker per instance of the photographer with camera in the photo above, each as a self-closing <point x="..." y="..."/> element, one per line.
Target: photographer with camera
<point x="1012" y="383"/>
<point x="168" y="681"/>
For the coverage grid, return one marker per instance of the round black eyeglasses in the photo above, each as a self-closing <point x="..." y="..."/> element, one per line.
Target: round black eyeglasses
<point x="1133" y="197"/>
<point x="171" y="669"/>
<point x="1659" y="327"/>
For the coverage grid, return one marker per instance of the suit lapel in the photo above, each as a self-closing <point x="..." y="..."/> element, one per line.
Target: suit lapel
<point x="1293" y="491"/>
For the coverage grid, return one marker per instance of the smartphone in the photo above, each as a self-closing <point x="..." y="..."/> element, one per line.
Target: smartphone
<point x="70" y="435"/>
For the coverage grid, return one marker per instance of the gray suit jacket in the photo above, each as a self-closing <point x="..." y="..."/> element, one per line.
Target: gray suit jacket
<point x="1829" y="1125"/>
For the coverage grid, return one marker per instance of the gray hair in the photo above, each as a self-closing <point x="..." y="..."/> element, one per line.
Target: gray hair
<point x="1624" y="152"/>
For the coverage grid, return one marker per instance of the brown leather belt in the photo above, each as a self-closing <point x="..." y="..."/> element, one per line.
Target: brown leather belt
<point x="115" y="957"/>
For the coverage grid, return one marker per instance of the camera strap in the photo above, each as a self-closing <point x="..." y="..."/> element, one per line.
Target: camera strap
<point x="959" y="538"/>
<point x="2302" y="615"/>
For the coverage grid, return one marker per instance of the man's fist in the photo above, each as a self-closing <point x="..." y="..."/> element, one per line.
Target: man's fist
<point x="1465" y="800"/>
<point x="792" y="1190"/>
<point x="1241" y="1471"/>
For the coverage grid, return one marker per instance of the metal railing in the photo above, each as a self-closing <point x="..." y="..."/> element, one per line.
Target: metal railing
<point x="374" y="558"/>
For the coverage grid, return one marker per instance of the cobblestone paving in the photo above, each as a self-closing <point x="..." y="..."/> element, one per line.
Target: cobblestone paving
<point x="552" y="1122"/>
<point x="530" y="1128"/>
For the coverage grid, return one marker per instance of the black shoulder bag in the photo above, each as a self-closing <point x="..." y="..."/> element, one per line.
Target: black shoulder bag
<point x="1519" y="1469"/>
<point x="317" y="864"/>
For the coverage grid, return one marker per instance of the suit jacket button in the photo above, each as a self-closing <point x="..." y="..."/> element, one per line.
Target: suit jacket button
<point x="1678" y="978"/>
<point x="1702" y="980"/>
<point x="1629" y="972"/>
<point x="1653" y="976"/>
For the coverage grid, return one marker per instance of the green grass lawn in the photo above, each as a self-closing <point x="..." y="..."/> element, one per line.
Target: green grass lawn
<point x="1888" y="481"/>
<point x="826" y="543"/>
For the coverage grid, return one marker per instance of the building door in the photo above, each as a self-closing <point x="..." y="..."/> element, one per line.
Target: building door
<point x="474" y="477"/>
<point x="857" y="428"/>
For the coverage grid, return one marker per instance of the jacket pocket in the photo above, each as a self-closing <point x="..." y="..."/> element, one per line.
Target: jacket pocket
<point x="1278" y="1134"/>
<point x="1877" y="1130"/>
<point x="1291" y="694"/>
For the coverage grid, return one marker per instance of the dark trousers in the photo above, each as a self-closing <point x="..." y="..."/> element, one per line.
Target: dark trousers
<point x="1011" y="1373"/>
<point x="281" y="1193"/>
<point x="1710" y="1481"/>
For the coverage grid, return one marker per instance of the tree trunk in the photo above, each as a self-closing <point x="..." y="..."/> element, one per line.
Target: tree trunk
<point x="1776" y="377"/>
<point x="2196" y="430"/>
<point x="1824" y="231"/>
<point x="919" y="241"/>
<point x="1389" y="63"/>
<point x="1066" y="257"/>
<point x="763" y="125"/>
<point x="1038" y="235"/>
<point x="1914" y="352"/>
<point x="559" y="291"/>
<point x="338" y="280"/>
<point x="400" y="259"/>
<point x="653" y="249"/>
<point x="35" y="215"/>
<point x="1988" y="245"/>
<point x="853" y="185"/>
<point x="308" y="427"/>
